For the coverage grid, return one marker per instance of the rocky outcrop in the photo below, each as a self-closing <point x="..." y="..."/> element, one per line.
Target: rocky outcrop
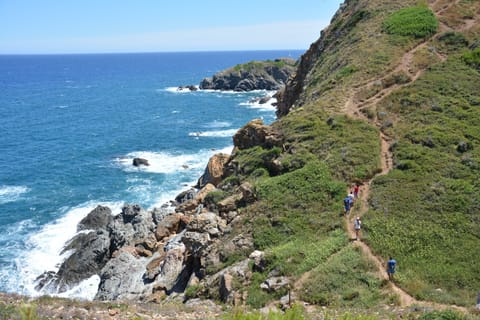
<point x="214" y="171"/>
<point x="149" y="255"/>
<point x="137" y="162"/>
<point x="264" y="75"/>
<point x="255" y="133"/>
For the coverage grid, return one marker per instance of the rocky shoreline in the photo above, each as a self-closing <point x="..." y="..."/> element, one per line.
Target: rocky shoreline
<point x="178" y="250"/>
<point x="154" y="255"/>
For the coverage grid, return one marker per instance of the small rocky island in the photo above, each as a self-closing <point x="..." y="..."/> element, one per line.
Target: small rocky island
<point x="254" y="75"/>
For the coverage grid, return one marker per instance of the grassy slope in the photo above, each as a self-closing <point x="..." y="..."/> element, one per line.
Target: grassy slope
<point x="427" y="211"/>
<point x="425" y="214"/>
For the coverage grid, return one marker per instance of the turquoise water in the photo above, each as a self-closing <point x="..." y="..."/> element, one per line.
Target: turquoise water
<point x="70" y="126"/>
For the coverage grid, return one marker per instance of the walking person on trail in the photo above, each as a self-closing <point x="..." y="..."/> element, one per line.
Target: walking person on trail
<point x="357" y="224"/>
<point x="356" y="188"/>
<point x="391" y="265"/>
<point x="347" y="204"/>
<point x="351" y="195"/>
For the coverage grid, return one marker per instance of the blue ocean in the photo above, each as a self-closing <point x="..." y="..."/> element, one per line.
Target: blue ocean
<point x="70" y="126"/>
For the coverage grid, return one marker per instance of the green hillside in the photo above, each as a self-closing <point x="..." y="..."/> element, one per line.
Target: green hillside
<point x="406" y="71"/>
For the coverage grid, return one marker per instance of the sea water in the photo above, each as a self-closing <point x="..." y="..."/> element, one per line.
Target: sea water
<point x="70" y="126"/>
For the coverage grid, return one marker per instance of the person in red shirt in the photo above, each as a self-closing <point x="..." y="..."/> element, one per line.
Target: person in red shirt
<point x="356" y="188"/>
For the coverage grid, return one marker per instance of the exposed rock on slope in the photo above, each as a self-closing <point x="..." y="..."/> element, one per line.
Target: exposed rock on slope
<point x="148" y="255"/>
<point x="263" y="75"/>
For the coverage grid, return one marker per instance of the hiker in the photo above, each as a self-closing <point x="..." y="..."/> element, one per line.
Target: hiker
<point x="357" y="224"/>
<point x="347" y="204"/>
<point x="478" y="301"/>
<point x="356" y="188"/>
<point x="391" y="264"/>
<point x="351" y="195"/>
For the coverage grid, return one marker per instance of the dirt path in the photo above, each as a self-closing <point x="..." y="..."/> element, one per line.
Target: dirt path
<point x="354" y="105"/>
<point x="354" y="109"/>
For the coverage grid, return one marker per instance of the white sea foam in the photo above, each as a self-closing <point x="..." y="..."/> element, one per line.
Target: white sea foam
<point x="178" y="89"/>
<point x="12" y="193"/>
<point x="166" y="197"/>
<point x="218" y="124"/>
<point x="160" y="162"/>
<point x="268" y="106"/>
<point x="214" y="133"/>
<point x="46" y="245"/>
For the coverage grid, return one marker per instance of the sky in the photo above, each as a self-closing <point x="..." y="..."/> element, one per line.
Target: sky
<point x="111" y="26"/>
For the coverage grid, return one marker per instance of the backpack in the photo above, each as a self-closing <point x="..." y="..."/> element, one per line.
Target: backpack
<point x="346" y="201"/>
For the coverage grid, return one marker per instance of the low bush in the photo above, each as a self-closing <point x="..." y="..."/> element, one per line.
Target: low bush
<point x="472" y="58"/>
<point x="418" y="22"/>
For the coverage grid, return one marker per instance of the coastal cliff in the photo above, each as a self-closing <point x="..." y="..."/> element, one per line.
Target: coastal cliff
<point x="378" y="101"/>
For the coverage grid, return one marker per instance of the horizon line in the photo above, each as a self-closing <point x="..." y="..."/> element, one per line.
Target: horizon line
<point x="144" y="52"/>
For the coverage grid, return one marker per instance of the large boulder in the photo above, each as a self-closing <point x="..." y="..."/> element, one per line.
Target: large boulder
<point x="170" y="268"/>
<point x="255" y="133"/>
<point x="171" y="224"/>
<point x="214" y="170"/>
<point x="131" y="227"/>
<point x="98" y="218"/>
<point x="91" y="252"/>
<point x="122" y="279"/>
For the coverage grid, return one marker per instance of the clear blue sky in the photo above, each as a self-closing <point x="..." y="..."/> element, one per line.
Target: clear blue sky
<point x="90" y="26"/>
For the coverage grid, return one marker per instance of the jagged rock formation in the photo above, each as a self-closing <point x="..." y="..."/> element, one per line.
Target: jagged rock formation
<point x="147" y="255"/>
<point x="265" y="75"/>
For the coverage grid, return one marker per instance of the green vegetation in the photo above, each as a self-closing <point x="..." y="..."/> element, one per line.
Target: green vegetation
<point x="443" y="315"/>
<point x="7" y="311"/>
<point x="294" y="313"/>
<point x="345" y="71"/>
<point x="300" y="226"/>
<point x="472" y="58"/>
<point x="345" y="279"/>
<point x="419" y="22"/>
<point x="295" y="204"/>
<point x="347" y="146"/>
<point x="260" y="65"/>
<point x="425" y="213"/>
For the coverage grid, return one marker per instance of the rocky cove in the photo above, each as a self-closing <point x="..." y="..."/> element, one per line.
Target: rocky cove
<point x="152" y="255"/>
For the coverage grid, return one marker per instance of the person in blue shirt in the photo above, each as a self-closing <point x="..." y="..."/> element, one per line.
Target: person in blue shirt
<point x="347" y="204"/>
<point x="391" y="265"/>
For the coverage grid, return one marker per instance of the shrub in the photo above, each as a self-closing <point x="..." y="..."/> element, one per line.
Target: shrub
<point x="455" y="39"/>
<point x="472" y="58"/>
<point x="345" y="71"/>
<point x="419" y="22"/>
<point x="443" y="315"/>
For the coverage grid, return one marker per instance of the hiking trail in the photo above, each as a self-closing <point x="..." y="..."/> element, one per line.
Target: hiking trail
<point x="354" y="106"/>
